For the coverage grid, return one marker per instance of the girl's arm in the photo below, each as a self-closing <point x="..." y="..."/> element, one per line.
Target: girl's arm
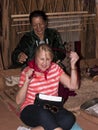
<point x="20" y="97"/>
<point x="72" y="82"/>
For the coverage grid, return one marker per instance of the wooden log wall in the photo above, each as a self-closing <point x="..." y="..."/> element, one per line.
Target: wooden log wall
<point x="97" y="29"/>
<point x="5" y="33"/>
<point x="11" y="34"/>
<point x="90" y="33"/>
<point x="1" y="63"/>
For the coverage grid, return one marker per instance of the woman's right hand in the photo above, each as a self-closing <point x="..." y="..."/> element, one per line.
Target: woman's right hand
<point x="29" y="74"/>
<point x="22" y="57"/>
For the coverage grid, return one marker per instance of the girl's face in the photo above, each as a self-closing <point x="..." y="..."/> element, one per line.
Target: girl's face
<point x="38" y="25"/>
<point x="43" y="60"/>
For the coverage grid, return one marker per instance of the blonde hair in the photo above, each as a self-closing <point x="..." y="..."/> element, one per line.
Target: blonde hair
<point x="46" y="48"/>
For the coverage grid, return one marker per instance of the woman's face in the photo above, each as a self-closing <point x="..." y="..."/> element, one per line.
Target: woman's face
<point x="43" y="60"/>
<point x="38" y="25"/>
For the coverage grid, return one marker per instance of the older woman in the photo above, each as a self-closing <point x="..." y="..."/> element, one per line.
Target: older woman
<point x="39" y="33"/>
<point x="43" y="76"/>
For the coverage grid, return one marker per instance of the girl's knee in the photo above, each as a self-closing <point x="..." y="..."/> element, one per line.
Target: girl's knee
<point x="71" y="117"/>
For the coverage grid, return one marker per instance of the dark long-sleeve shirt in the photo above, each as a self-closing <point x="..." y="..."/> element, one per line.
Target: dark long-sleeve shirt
<point x="30" y="41"/>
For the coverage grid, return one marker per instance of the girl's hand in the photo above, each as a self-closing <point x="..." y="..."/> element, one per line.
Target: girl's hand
<point x="29" y="74"/>
<point x="74" y="58"/>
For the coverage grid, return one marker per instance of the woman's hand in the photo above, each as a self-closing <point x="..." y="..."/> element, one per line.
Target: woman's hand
<point x="22" y="57"/>
<point x="74" y="58"/>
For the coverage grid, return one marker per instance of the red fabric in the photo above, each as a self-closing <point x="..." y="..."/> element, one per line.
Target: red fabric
<point x="33" y="65"/>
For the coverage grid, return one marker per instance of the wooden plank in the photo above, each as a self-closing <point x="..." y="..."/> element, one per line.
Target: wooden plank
<point x="5" y="24"/>
<point x="1" y="65"/>
<point x="54" y="13"/>
<point x="96" y="30"/>
<point x="1" y="62"/>
<point x="10" y="72"/>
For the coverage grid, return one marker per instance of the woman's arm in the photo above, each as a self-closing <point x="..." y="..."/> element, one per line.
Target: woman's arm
<point x="72" y="82"/>
<point x="21" y="52"/>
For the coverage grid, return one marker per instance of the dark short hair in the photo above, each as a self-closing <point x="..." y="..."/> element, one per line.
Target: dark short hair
<point x="38" y="13"/>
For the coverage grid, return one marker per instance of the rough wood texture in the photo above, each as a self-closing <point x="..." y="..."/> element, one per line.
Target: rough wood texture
<point x="5" y="25"/>
<point x="10" y="40"/>
<point x="10" y="72"/>
<point x="96" y="30"/>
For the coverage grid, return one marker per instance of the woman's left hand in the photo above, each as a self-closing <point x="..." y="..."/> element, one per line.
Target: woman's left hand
<point x="74" y="58"/>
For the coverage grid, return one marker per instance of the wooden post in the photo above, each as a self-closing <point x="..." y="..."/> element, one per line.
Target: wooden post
<point x="5" y="26"/>
<point x="97" y="30"/>
<point x="1" y="60"/>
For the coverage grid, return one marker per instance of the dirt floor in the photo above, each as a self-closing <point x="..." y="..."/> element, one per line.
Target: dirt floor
<point x="88" y="90"/>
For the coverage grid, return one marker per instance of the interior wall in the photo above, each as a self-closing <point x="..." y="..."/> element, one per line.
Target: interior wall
<point x="13" y="33"/>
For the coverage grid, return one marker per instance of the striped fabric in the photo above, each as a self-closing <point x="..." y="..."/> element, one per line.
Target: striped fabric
<point x="39" y="84"/>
